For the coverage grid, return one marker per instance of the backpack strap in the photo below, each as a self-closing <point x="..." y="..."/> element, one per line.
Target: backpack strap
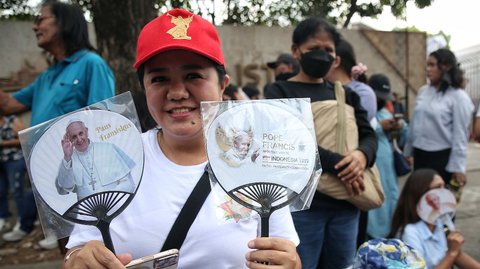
<point x="187" y="215"/>
<point x="341" y="129"/>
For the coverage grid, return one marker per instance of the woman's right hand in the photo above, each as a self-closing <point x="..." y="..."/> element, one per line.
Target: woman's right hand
<point x="3" y="98"/>
<point x="93" y="255"/>
<point x="387" y="124"/>
<point x="353" y="164"/>
<point x="409" y="160"/>
<point x="278" y="252"/>
<point x="455" y="241"/>
<point x="354" y="187"/>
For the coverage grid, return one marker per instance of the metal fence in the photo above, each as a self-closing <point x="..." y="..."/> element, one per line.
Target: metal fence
<point x="469" y="60"/>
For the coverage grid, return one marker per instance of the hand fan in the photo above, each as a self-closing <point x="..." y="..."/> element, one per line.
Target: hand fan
<point x="262" y="153"/>
<point x="102" y="174"/>
<point x="438" y="204"/>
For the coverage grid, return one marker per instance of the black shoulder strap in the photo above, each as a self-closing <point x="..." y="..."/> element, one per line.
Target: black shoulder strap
<point x="188" y="214"/>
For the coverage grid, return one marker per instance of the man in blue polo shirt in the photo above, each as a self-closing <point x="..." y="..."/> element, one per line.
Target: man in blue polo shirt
<point x="79" y="77"/>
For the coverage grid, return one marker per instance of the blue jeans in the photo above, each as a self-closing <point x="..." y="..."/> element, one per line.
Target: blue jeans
<point x="12" y="178"/>
<point x="327" y="237"/>
<point x="29" y="213"/>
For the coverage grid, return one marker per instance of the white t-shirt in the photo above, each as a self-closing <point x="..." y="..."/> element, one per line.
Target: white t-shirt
<point x="142" y="227"/>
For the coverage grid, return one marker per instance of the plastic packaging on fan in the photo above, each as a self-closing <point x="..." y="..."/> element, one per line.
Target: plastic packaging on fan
<point x="112" y="126"/>
<point x="262" y="155"/>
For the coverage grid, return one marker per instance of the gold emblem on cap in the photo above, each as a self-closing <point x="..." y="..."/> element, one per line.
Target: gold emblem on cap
<point x="179" y="31"/>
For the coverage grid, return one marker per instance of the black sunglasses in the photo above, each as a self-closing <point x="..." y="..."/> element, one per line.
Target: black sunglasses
<point x="39" y="19"/>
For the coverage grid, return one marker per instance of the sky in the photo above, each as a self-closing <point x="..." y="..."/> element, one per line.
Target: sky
<point x="458" y="18"/>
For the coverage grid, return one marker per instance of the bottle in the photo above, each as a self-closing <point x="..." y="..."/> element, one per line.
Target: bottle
<point x="455" y="186"/>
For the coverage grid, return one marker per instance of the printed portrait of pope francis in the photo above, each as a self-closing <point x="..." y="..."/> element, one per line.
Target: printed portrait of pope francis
<point x="91" y="167"/>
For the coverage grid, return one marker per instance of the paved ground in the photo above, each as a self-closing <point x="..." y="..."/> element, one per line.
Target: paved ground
<point x="467" y="220"/>
<point x="46" y="265"/>
<point x="468" y="213"/>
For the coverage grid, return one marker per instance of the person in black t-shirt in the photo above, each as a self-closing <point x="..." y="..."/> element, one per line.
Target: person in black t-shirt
<point x="328" y="230"/>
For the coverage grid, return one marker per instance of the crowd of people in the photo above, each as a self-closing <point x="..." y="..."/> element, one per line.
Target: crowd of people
<point x="78" y="77"/>
<point x="178" y="67"/>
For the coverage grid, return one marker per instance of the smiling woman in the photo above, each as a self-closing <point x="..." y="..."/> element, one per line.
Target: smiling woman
<point x="180" y="64"/>
<point x="169" y="81"/>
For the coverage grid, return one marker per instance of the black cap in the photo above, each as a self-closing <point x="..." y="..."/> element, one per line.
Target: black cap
<point x="381" y="86"/>
<point x="284" y="58"/>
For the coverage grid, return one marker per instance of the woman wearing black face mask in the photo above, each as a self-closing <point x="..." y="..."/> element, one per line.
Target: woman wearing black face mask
<point x="328" y="230"/>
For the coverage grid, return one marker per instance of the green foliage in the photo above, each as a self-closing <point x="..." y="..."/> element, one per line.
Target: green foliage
<point x="411" y="29"/>
<point x="414" y="29"/>
<point x="275" y="12"/>
<point x="161" y="5"/>
<point x="16" y="10"/>
<point x="263" y="12"/>
<point x="7" y="4"/>
<point x="280" y="12"/>
<point x="423" y="3"/>
<point x="446" y="36"/>
<point x="442" y="33"/>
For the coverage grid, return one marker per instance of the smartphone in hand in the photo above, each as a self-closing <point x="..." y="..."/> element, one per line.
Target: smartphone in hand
<point x="167" y="259"/>
<point x="398" y="116"/>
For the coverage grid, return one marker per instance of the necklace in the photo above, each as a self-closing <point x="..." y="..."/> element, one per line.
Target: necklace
<point x="89" y="165"/>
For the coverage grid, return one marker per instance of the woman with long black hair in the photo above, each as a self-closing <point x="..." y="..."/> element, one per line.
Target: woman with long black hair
<point x="438" y="133"/>
<point x="440" y="250"/>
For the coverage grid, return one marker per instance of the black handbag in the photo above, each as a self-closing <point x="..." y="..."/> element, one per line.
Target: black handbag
<point x="402" y="167"/>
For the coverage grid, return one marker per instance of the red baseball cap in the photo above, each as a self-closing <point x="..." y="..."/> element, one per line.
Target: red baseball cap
<point x="179" y="29"/>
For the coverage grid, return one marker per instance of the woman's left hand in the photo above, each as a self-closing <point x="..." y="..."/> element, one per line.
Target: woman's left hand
<point x="354" y="163"/>
<point x="461" y="178"/>
<point x="268" y="251"/>
<point x="398" y="125"/>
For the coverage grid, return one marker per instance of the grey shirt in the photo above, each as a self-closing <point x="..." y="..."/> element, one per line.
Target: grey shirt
<point x="440" y="121"/>
<point x="368" y="100"/>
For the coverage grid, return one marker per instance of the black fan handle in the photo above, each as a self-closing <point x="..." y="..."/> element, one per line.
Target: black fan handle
<point x="104" y="227"/>
<point x="265" y="227"/>
<point x="265" y="223"/>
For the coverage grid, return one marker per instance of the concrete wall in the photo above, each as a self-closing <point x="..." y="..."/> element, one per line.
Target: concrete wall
<point x="18" y="48"/>
<point x="247" y="51"/>
<point x="21" y="58"/>
<point x="250" y="48"/>
<point x="399" y="55"/>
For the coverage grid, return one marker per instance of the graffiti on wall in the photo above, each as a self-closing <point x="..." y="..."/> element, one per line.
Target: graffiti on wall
<point x="255" y="74"/>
